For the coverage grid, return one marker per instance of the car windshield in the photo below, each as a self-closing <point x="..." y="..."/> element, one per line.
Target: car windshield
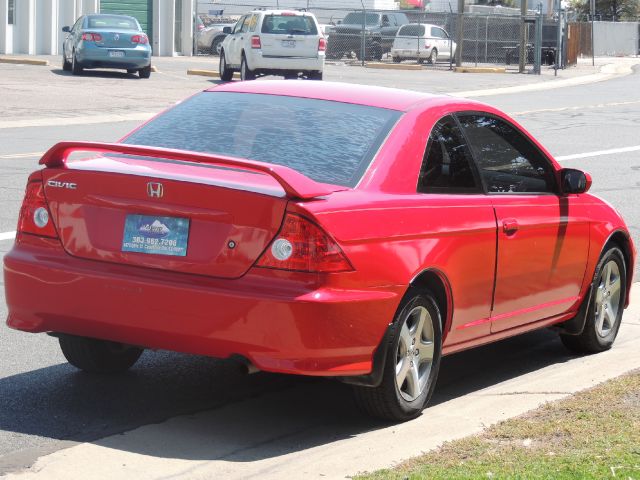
<point x="412" y="30"/>
<point x="355" y="18"/>
<point x="285" y="24"/>
<point x="113" y="21"/>
<point x="330" y="142"/>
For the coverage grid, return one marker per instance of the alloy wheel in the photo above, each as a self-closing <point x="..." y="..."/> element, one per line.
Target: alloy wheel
<point x="607" y="301"/>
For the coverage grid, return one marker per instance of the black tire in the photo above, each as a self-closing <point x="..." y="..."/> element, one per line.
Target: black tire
<point x="98" y="356"/>
<point x="245" y="72"/>
<point x="216" y="46"/>
<point x="226" y="74"/>
<point x="389" y="401"/>
<point x="396" y="59"/>
<point x="145" y="72"/>
<point x="76" y="68"/>
<point x="375" y="52"/>
<point x="66" y="65"/>
<point x="433" y="56"/>
<point x="132" y="70"/>
<point x="601" y="326"/>
<point x="315" y="75"/>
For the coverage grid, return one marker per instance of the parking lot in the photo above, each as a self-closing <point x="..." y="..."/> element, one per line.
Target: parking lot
<point x="201" y="418"/>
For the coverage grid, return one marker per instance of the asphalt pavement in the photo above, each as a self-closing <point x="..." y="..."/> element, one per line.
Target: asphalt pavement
<point x="208" y="414"/>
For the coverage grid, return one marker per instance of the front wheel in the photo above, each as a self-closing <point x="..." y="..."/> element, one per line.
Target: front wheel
<point x="412" y="361"/>
<point x="226" y="74"/>
<point x="98" y="356"/>
<point x="433" y="56"/>
<point x="66" y="65"/>
<point x="245" y="72"/>
<point x="604" y="313"/>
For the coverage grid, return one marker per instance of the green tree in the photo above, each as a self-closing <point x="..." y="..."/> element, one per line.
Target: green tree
<point x="617" y="10"/>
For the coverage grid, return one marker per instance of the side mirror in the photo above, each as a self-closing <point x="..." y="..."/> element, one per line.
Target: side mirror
<point x="226" y="30"/>
<point x="66" y="29"/>
<point x="575" y="181"/>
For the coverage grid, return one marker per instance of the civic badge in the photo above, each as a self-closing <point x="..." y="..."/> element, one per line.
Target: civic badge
<point x="155" y="189"/>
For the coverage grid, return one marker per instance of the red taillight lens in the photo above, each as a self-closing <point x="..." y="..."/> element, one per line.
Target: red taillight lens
<point x="255" y="42"/>
<point x="35" y="217"/>
<point x="141" y="39"/>
<point x="322" y="44"/>
<point x="91" y="37"/>
<point x="303" y="246"/>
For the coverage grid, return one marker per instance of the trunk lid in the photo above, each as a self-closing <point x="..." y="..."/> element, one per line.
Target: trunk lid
<point x="198" y="219"/>
<point x="113" y="38"/>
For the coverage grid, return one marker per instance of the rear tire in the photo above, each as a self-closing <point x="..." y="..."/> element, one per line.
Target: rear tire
<point x="145" y="72"/>
<point x="226" y="74"/>
<point x="396" y="59"/>
<point x="245" y="72"/>
<point x="76" y="68"/>
<point x="98" y="356"/>
<point x="412" y="362"/>
<point x="604" y="313"/>
<point x="433" y="57"/>
<point x="315" y="75"/>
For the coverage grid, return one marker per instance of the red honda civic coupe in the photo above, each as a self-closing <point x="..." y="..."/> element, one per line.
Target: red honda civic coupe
<point x="321" y="229"/>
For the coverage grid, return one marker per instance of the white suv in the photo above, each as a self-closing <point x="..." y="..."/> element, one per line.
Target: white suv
<point x="274" y="42"/>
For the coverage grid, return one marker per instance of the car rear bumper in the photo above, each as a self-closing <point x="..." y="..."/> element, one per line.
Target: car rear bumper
<point x="260" y="62"/>
<point x="278" y="324"/>
<point x="98" y="57"/>
<point x="411" y="53"/>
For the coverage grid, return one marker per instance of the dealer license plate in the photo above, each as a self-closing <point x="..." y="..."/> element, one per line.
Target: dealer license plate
<point x="156" y="235"/>
<point x="116" y="53"/>
<point x="289" y="43"/>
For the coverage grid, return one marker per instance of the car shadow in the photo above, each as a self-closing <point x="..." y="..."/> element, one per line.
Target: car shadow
<point x="96" y="74"/>
<point x="240" y="415"/>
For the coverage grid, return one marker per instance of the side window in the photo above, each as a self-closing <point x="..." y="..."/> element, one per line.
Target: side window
<point x="447" y="165"/>
<point x="238" y="25"/>
<point x="385" y="21"/>
<point x="507" y="160"/>
<point x="245" y="24"/>
<point x="253" y="21"/>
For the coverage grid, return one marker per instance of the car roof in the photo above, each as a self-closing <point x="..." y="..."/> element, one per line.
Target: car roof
<point x="382" y="97"/>
<point x="421" y="24"/>
<point x="278" y="12"/>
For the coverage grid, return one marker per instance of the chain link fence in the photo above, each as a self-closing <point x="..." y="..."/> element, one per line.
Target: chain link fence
<point x="359" y="36"/>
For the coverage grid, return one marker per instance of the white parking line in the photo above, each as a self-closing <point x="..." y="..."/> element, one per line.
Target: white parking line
<point x="9" y="156"/>
<point x="7" y="235"/>
<point x="598" y="153"/>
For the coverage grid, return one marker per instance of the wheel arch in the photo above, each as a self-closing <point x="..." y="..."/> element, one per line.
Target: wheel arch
<point x="436" y="282"/>
<point x="622" y="240"/>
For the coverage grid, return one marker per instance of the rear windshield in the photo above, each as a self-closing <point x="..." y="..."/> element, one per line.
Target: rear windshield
<point x="289" y="24"/>
<point x="330" y="142"/>
<point x="412" y="30"/>
<point x="113" y="21"/>
<point x="355" y="18"/>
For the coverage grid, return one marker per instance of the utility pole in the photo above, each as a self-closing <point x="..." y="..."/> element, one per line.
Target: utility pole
<point x="459" y="32"/>
<point x="523" y="35"/>
<point x="593" y="47"/>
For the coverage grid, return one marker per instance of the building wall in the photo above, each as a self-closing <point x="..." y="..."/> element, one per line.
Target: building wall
<point x="615" y="38"/>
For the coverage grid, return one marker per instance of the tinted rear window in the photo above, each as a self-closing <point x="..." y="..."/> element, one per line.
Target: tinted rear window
<point x="355" y="18"/>
<point x="113" y="21"/>
<point x="411" y="31"/>
<point x="287" y="24"/>
<point x="330" y="142"/>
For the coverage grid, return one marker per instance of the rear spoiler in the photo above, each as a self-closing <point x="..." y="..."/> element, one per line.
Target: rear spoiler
<point x="295" y="184"/>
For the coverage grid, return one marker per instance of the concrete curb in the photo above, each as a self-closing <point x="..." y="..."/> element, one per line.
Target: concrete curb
<point x="393" y="66"/>
<point x="207" y="73"/>
<point x="24" y="61"/>
<point x="480" y="70"/>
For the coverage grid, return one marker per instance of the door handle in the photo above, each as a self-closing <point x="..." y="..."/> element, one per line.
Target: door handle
<point x="510" y="226"/>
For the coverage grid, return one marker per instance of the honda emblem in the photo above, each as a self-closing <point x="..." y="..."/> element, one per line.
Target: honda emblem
<point x="116" y="37"/>
<point x="155" y="189"/>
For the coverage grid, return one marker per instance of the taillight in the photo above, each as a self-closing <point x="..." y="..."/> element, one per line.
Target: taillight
<point x="255" y="42"/>
<point x="91" y="37"/>
<point x="141" y="39"/>
<point x="322" y="44"/>
<point x="35" y="217"/>
<point x="303" y="246"/>
<point x="427" y="45"/>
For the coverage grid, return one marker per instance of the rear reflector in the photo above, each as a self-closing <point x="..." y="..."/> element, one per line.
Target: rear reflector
<point x="255" y="42"/>
<point x="322" y="44"/>
<point x="91" y="37"/>
<point x="141" y="39"/>
<point x="303" y="246"/>
<point x="35" y="217"/>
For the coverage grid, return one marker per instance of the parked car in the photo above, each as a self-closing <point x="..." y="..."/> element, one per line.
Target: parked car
<point x="106" y="41"/>
<point x="210" y="38"/>
<point x="273" y="42"/>
<point x="380" y="29"/>
<point x="421" y="41"/>
<point x="326" y="229"/>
